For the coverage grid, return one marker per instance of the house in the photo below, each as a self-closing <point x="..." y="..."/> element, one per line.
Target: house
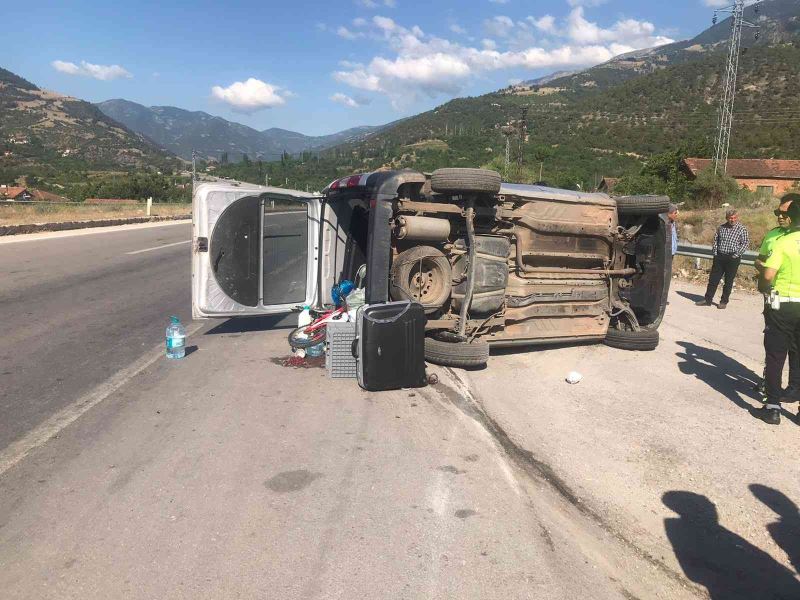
<point x="766" y="175"/>
<point x="607" y="184"/>
<point x="15" y="194"/>
<point x="42" y="196"/>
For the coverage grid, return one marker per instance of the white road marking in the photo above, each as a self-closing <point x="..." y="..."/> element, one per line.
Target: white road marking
<point x="159" y="247"/>
<point x="18" y="450"/>
<point x="54" y="235"/>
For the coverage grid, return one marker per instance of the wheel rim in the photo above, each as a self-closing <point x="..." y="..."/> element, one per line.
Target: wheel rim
<point x="426" y="282"/>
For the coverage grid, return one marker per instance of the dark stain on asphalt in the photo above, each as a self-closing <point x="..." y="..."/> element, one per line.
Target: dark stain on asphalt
<point x="451" y="469"/>
<point x="291" y="481"/>
<point x="465" y="513"/>
<point x="296" y="362"/>
<point x="548" y="539"/>
<point x="471" y="458"/>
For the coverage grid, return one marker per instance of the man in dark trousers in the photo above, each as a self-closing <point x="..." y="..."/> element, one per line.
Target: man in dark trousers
<point x="764" y="252"/>
<point x="730" y="243"/>
<point x="782" y="275"/>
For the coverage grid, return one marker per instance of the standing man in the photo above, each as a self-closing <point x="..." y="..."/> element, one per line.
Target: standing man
<point x="782" y="275"/>
<point x="730" y="242"/>
<point x="764" y="252"/>
<point x="672" y="215"/>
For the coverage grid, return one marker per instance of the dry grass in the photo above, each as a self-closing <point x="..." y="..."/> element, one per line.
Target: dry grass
<point x="26" y="214"/>
<point x="698" y="227"/>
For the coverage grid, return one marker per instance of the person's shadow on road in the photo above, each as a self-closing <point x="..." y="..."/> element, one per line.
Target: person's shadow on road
<point x="690" y="296"/>
<point x="727" y="565"/>
<point x="724" y="374"/>
<point x="785" y="531"/>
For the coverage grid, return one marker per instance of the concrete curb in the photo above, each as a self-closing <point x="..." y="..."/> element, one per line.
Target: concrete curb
<point x="65" y="225"/>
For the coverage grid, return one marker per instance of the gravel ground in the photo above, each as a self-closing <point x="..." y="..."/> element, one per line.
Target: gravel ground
<point x="644" y="434"/>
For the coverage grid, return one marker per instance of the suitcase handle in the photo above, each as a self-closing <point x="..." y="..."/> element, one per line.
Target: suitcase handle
<point x="354" y="348"/>
<point x="391" y="319"/>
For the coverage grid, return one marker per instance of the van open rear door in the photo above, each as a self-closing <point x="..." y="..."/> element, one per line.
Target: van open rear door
<point x="254" y="249"/>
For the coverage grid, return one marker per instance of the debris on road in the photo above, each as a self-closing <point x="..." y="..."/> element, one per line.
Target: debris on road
<point x="573" y="377"/>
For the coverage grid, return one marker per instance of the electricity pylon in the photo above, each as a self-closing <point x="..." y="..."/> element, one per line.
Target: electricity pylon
<point x="728" y="96"/>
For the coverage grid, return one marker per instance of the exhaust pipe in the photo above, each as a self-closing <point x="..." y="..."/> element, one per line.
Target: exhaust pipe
<point x="424" y="229"/>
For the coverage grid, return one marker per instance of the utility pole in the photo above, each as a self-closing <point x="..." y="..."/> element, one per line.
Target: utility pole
<point x="507" y="131"/>
<point x="194" y="169"/>
<point x="523" y="134"/>
<point x="725" y="123"/>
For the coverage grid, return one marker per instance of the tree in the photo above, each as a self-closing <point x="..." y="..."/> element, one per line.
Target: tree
<point x="711" y="189"/>
<point x="661" y="174"/>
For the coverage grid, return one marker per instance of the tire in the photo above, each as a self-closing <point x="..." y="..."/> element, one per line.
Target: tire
<point x="422" y="274"/>
<point x="457" y="354"/>
<point x="295" y="341"/>
<point x="642" y="205"/>
<point x="623" y="339"/>
<point x="456" y="181"/>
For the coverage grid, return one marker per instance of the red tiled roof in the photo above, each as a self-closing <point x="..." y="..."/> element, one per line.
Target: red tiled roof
<point x="42" y="196"/>
<point x="755" y="168"/>
<point x="12" y="192"/>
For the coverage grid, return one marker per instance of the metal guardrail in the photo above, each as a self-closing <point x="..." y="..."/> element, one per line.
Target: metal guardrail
<point x="699" y="251"/>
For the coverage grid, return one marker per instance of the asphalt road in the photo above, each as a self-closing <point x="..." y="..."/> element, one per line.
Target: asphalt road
<point x="227" y="475"/>
<point x="80" y="306"/>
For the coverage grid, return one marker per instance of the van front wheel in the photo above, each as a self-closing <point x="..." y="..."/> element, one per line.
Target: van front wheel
<point x="457" y="354"/>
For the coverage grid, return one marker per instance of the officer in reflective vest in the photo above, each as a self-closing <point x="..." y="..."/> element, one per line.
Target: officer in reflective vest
<point x="782" y="276"/>
<point x="764" y="252"/>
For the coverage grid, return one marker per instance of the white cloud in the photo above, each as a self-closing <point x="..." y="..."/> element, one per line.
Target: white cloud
<point x="499" y="26"/>
<point x="589" y="3"/>
<point x="348" y="101"/>
<point x="630" y="32"/>
<point x="456" y="28"/>
<point x="375" y="4"/>
<point x="87" y="69"/>
<point x="547" y="23"/>
<point x="344" y="32"/>
<point x="384" y="23"/>
<point x="359" y="22"/>
<point x="412" y="63"/>
<point x="251" y="95"/>
<point x="717" y="3"/>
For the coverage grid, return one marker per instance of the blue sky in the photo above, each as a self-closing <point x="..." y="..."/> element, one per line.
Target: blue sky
<point x="319" y="67"/>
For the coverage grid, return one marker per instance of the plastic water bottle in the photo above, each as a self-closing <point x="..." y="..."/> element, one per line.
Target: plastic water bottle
<point x="176" y="339"/>
<point x="316" y="350"/>
<point x="304" y="318"/>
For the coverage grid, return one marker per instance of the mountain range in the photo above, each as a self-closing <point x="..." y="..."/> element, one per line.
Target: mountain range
<point x="180" y="131"/>
<point x="603" y="120"/>
<point x="42" y="127"/>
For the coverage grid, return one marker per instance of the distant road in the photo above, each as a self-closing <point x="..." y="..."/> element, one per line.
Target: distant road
<point x="77" y="307"/>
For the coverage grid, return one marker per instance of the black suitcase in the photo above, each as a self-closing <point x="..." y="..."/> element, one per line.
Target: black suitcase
<point x="390" y="346"/>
